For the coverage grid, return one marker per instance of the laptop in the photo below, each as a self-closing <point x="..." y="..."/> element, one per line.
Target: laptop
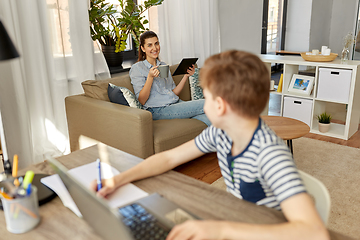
<point x="151" y="217"/>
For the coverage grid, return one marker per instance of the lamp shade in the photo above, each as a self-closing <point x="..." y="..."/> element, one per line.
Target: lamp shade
<point x="7" y="48"/>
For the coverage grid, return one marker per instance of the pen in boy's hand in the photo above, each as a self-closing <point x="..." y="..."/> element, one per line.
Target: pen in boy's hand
<point x="99" y="185"/>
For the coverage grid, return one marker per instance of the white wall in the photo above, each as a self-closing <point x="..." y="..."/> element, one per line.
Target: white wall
<point x="320" y="23"/>
<point x="310" y="24"/>
<point x="297" y="36"/>
<point x="240" y="25"/>
<point x="313" y="23"/>
<point x="343" y="21"/>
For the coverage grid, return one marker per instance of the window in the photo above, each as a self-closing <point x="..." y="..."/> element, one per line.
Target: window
<point x="271" y="14"/>
<point x="273" y="28"/>
<point x="60" y="27"/>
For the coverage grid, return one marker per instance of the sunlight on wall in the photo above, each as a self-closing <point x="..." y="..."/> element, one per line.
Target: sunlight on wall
<point x="56" y="137"/>
<point x="85" y="142"/>
<point x="103" y="153"/>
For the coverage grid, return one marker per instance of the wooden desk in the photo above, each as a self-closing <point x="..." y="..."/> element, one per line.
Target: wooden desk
<point x="287" y="128"/>
<point x="200" y="198"/>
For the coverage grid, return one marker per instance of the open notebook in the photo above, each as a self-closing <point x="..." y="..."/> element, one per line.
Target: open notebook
<point x="87" y="173"/>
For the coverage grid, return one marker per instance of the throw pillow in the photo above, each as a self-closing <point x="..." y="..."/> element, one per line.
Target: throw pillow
<point x="195" y="89"/>
<point x="123" y="96"/>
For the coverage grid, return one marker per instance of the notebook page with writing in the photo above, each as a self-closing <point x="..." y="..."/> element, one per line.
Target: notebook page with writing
<point x="87" y="173"/>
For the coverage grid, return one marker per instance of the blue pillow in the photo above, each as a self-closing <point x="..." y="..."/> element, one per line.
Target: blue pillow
<point x="123" y="96"/>
<point x="195" y="89"/>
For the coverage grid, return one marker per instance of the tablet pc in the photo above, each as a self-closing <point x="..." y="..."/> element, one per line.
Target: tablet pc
<point x="184" y="65"/>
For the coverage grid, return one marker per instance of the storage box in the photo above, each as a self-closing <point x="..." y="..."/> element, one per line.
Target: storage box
<point x="298" y="108"/>
<point x="334" y="84"/>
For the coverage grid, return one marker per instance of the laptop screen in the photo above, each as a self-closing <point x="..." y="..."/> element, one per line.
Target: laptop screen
<point x="105" y="221"/>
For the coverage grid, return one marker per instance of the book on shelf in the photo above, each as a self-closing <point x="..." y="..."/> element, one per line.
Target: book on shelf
<point x="279" y="89"/>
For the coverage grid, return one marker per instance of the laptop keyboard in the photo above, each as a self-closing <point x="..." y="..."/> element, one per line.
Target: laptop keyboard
<point x="141" y="223"/>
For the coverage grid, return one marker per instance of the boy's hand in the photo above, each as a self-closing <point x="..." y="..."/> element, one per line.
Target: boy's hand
<point x="196" y="230"/>
<point x="191" y="70"/>
<point x="108" y="186"/>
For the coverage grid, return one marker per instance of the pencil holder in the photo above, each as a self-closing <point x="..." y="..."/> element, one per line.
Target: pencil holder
<point x="22" y="213"/>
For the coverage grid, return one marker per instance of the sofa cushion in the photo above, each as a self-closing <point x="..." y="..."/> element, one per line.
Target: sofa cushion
<point x="98" y="89"/>
<point x="195" y="88"/>
<point x="166" y="136"/>
<point x="116" y="95"/>
<point x="123" y="96"/>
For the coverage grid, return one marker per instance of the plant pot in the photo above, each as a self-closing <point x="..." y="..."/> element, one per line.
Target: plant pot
<point x="112" y="58"/>
<point x="324" y="127"/>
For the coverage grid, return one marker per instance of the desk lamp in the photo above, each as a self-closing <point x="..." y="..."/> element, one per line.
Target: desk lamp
<point x="7" y="51"/>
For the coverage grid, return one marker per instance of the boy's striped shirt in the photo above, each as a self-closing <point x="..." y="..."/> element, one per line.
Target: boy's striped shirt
<point x="264" y="173"/>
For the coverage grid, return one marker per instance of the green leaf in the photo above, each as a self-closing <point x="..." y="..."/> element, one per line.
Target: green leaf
<point x="111" y="27"/>
<point x="324" y="118"/>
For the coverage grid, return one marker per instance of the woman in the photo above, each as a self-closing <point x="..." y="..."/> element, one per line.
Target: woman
<point x="160" y="95"/>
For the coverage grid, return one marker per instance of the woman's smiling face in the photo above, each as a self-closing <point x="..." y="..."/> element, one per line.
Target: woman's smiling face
<point x="151" y="48"/>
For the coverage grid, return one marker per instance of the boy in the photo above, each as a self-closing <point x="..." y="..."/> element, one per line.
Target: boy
<point x="256" y="164"/>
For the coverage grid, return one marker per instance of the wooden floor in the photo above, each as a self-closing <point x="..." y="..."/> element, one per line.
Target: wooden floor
<point x="206" y="168"/>
<point x="354" y="141"/>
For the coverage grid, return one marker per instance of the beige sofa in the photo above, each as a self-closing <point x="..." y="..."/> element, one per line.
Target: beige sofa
<point x="132" y="130"/>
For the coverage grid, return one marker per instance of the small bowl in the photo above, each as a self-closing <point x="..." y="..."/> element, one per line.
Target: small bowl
<point x="319" y="58"/>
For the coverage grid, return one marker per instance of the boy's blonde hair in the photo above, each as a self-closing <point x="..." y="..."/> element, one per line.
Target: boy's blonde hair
<point x="240" y="78"/>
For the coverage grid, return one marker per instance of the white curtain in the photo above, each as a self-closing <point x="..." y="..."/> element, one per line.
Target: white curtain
<point x="56" y="55"/>
<point x="187" y="28"/>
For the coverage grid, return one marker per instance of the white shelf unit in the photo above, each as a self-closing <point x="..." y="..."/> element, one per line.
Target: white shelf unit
<point x="351" y="108"/>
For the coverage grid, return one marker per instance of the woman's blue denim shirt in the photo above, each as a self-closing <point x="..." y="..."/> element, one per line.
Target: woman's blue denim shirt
<point x="161" y="93"/>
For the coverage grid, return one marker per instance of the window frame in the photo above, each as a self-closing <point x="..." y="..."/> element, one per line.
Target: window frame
<point x="264" y="26"/>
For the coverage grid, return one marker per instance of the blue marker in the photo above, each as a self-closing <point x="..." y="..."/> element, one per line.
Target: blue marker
<point x="99" y="185"/>
<point x="28" y="190"/>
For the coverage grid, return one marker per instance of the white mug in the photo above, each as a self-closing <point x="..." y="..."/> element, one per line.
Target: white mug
<point x="323" y="50"/>
<point x="327" y="52"/>
<point x="272" y="83"/>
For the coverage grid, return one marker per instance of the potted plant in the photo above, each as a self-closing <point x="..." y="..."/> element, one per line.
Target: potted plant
<point x="111" y="28"/>
<point x="324" y="122"/>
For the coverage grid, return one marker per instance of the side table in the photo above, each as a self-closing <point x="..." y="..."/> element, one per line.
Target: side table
<point x="287" y="128"/>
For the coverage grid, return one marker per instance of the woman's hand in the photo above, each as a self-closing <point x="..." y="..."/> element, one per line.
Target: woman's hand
<point x="180" y="86"/>
<point x="154" y="72"/>
<point x="108" y="186"/>
<point x="190" y="71"/>
<point x="145" y="91"/>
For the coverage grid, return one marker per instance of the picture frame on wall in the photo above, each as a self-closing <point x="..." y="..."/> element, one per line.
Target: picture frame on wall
<point x="301" y="84"/>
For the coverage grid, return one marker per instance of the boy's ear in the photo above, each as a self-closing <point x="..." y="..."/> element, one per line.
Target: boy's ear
<point x="220" y="106"/>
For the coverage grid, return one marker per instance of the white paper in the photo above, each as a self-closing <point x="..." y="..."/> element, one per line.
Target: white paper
<point x="85" y="175"/>
<point x="54" y="182"/>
